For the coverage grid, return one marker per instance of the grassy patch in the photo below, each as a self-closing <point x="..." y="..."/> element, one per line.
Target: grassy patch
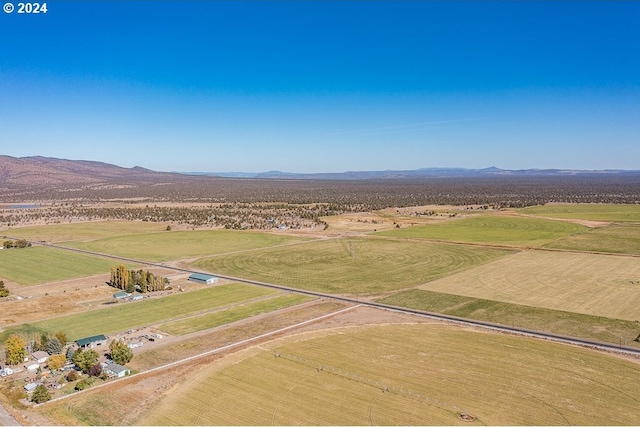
<point x="183" y="244"/>
<point x="30" y="266"/>
<point x="615" y="238"/>
<point x="130" y="315"/>
<point x="83" y="231"/>
<point x="351" y="265"/>
<point x="598" y="285"/>
<point x="409" y="375"/>
<point x="540" y="319"/>
<point x="587" y="211"/>
<point x="232" y="314"/>
<point x="506" y="230"/>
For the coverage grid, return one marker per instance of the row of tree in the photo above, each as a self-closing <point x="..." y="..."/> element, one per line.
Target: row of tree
<point x="137" y="280"/>
<point x="18" y="244"/>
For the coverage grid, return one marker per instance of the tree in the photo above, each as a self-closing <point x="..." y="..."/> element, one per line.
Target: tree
<point x="57" y="361"/>
<point x="40" y="394"/>
<point x="62" y="337"/>
<point x="4" y="292"/>
<point x="8" y="244"/>
<point x="54" y="346"/>
<point x="120" y="352"/>
<point x="95" y="370"/>
<point x="72" y="376"/>
<point x="85" y="359"/>
<point x="15" y="350"/>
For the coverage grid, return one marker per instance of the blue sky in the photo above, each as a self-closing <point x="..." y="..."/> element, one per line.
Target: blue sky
<point x="324" y="86"/>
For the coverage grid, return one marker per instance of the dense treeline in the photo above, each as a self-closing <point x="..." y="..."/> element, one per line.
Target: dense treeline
<point x="136" y="280"/>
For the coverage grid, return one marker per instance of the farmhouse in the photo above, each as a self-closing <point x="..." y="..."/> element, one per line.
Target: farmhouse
<point x="203" y="278"/>
<point x="91" y="342"/>
<point x="114" y="370"/>
<point x="40" y="356"/>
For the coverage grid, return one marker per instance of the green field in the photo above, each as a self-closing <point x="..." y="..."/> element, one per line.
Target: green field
<point x="232" y="314"/>
<point x="351" y="265"/>
<point x="409" y="375"/>
<point x="83" y="231"/>
<point x="492" y="229"/>
<point x="183" y="244"/>
<point x="587" y="211"/>
<point x="123" y="316"/>
<point x="614" y="238"/>
<point x="37" y="264"/>
<point x="540" y="319"/>
<point x="598" y="285"/>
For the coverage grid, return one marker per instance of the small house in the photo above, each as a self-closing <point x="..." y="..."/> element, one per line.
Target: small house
<point x="32" y="367"/>
<point x="91" y="342"/>
<point x="114" y="370"/>
<point x="40" y="356"/>
<point x="203" y="278"/>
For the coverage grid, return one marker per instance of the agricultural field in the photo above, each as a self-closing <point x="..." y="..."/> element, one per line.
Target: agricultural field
<point x="119" y="317"/>
<point x="407" y="375"/>
<point x="587" y="211"/>
<point x="232" y="314"/>
<point x="598" y="285"/>
<point x="37" y="264"/>
<point x="492" y="229"/>
<point x="84" y="231"/>
<point x="359" y="265"/>
<point x="172" y="245"/>
<point x="623" y="238"/>
<point x="603" y="329"/>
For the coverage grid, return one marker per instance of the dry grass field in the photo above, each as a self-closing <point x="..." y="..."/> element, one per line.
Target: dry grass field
<point x="407" y="375"/>
<point x="601" y="285"/>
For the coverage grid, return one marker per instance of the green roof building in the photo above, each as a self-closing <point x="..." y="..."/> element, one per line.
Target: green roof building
<point x="91" y="342"/>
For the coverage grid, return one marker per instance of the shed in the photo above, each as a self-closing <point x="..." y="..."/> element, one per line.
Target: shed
<point x="203" y="278"/>
<point x="32" y="367"/>
<point x="137" y="297"/>
<point x="40" y="356"/>
<point x="91" y="342"/>
<point x="120" y="295"/>
<point x="31" y="386"/>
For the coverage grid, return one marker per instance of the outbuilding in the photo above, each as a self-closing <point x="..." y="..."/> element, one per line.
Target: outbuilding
<point x="203" y="278"/>
<point x="31" y="386"/>
<point x="91" y="342"/>
<point x="120" y="295"/>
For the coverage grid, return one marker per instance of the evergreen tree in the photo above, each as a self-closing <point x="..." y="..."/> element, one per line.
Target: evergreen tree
<point x="40" y="394"/>
<point x="4" y="292"/>
<point x="54" y="346"/>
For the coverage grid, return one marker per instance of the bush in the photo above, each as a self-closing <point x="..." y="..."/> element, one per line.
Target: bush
<point x="40" y="394"/>
<point x="72" y="376"/>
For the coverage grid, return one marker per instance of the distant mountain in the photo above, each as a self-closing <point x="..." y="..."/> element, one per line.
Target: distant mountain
<point x="416" y="173"/>
<point x="47" y="171"/>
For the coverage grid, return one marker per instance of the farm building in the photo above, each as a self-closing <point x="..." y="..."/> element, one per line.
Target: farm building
<point x="32" y="367"/>
<point x="203" y="278"/>
<point x="114" y="370"/>
<point x="136" y="297"/>
<point x="120" y="295"/>
<point x="31" y="386"/>
<point x="40" y="356"/>
<point x="91" y="342"/>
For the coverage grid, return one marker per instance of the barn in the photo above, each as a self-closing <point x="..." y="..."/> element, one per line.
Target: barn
<point x="203" y="278"/>
<point x="91" y="342"/>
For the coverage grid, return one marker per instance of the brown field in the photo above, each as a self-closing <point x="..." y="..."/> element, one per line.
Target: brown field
<point x="601" y="285"/>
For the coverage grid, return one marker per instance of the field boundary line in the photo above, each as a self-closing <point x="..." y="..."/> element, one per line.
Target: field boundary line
<point x="205" y="354"/>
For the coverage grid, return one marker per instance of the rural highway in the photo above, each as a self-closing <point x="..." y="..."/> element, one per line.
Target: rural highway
<point x="437" y="316"/>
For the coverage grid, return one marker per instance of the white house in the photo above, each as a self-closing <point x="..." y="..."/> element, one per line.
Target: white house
<point x="114" y="370"/>
<point x="40" y="356"/>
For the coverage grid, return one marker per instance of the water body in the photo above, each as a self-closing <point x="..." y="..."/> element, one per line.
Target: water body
<point x="24" y="206"/>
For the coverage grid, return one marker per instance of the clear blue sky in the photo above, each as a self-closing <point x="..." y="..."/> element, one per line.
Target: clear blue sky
<point x="331" y="86"/>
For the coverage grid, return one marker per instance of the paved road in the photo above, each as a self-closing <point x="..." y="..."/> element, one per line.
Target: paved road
<point x="6" y="419"/>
